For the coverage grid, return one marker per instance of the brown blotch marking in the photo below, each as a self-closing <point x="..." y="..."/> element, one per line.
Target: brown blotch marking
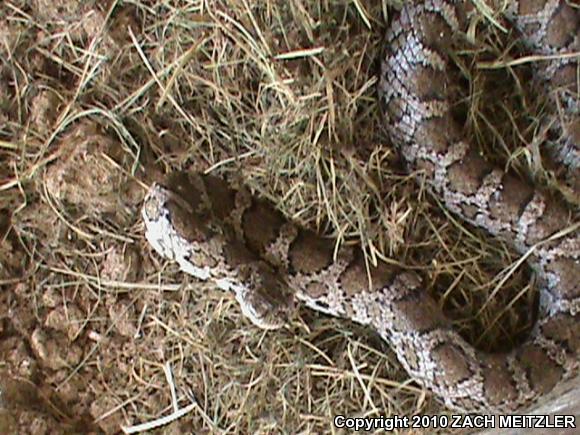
<point x="425" y="165"/>
<point x="497" y="381"/>
<point x="543" y="373"/>
<point x="354" y="279"/>
<point x="395" y="107"/>
<point x="563" y="329"/>
<point x="469" y="210"/>
<point x="221" y="195"/>
<point x="509" y="203"/>
<point x="185" y="187"/>
<point x="316" y="289"/>
<point x="261" y="225"/>
<point x="528" y="7"/>
<point x="554" y="218"/>
<point x="271" y="288"/>
<point x="452" y="362"/>
<point x="563" y="27"/>
<point x="310" y="253"/>
<point x="466" y="176"/>
<point x="427" y="83"/>
<point x="532" y="28"/>
<point x="418" y="313"/>
<point x="567" y="271"/>
<point x="192" y="227"/>
<point x="435" y="30"/>
<point x="437" y="133"/>
<point x="381" y="276"/>
<point x="236" y="254"/>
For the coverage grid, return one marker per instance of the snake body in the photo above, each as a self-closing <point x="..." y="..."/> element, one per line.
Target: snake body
<point x="219" y="232"/>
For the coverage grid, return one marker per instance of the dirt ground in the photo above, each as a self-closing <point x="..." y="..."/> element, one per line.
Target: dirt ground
<point x="99" y="99"/>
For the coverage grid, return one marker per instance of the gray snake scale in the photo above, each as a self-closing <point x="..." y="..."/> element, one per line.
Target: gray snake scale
<point x="218" y="232"/>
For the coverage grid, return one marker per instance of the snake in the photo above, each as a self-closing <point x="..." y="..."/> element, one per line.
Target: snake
<point x="218" y="230"/>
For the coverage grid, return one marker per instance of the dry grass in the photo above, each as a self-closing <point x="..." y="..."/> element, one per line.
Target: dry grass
<point x="98" y="101"/>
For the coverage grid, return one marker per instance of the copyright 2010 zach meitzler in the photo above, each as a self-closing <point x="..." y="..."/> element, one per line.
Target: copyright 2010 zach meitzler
<point x="456" y="422"/>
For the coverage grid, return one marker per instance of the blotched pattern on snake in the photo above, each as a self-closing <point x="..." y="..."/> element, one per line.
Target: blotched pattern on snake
<point x="210" y="229"/>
